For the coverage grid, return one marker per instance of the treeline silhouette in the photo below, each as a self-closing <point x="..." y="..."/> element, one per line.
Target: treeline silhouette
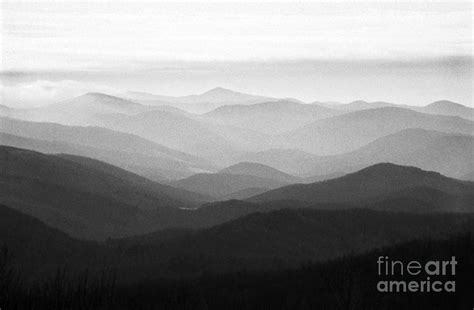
<point x="344" y="283"/>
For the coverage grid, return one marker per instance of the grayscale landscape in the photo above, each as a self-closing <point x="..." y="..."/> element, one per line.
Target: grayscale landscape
<point x="209" y="166"/>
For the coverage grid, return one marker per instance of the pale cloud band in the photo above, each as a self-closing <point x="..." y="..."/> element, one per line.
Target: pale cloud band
<point x="65" y="35"/>
<point x="402" y="82"/>
<point x="408" y="53"/>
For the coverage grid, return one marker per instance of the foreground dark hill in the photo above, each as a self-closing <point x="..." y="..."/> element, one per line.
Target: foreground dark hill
<point x="347" y="132"/>
<point x="256" y="241"/>
<point x="376" y="183"/>
<point x="260" y="241"/>
<point x="290" y="237"/>
<point x="35" y="248"/>
<point x="340" y="284"/>
<point x="122" y="149"/>
<point x="347" y="283"/>
<point x="83" y="196"/>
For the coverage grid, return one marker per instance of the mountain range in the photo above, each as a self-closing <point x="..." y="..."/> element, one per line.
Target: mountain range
<point x="377" y="184"/>
<point x="446" y="107"/>
<point x="225" y="198"/>
<point x="99" y="166"/>
<point x="262" y="171"/>
<point x="441" y="107"/>
<point x="270" y="117"/>
<point x="446" y="153"/>
<point x="225" y="185"/>
<point x="92" y="199"/>
<point x="125" y="150"/>
<point x="175" y="131"/>
<point x="83" y="196"/>
<point x="243" y="125"/>
<point x="201" y="103"/>
<point x="347" y="132"/>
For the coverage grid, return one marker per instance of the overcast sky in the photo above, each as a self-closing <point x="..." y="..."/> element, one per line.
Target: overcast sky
<point x="312" y="51"/>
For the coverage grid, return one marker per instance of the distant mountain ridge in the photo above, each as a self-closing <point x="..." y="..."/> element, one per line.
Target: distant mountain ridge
<point x="260" y="170"/>
<point x="177" y="132"/>
<point x="101" y="103"/>
<point x="88" y="109"/>
<point x="270" y="117"/>
<point x="291" y="161"/>
<point x="447" y="153"/>
<point x="446" y="107"/>
<point x="374" y="183"/>
<point x="347" y="132"/>
<point x="364" y="105"/>
<point x="200" y="103"/>
<point x="441" y="107"/>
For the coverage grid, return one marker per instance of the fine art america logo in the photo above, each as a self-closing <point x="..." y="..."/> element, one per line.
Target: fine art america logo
<point x="416" y="276"/>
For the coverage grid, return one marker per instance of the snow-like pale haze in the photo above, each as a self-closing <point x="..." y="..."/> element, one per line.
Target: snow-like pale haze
<point x="408" y="53"/>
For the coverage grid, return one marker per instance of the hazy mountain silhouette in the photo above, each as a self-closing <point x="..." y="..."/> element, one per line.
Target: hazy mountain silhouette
<point x="177" y="132"/>
<point x="83" y="196"/>
<point x="87" y="109"/>
<point x="446" y="107"/>
<point x="262" y="171"/>
<point x="122" y="149"/>
<point x="110" y="205"/>
<point x="98" y="103"/>
<point x="328" y="104"/>
<point x="363" y="105"/>
<point x="270" y="117"/>
<point x="375" y="182"/>
<point x="223" y="184"/>
<point x="449" y="154"/>
<point x="160" y="168"/>
<point x="222" y="95"/>
<point x="468" y="176"/>
<point x="292" y="161"/>
<point x="5" y="110"/>
<point x="347" y="132"/>
<point x="201" y="103"/>
<point x="244" y="193"/>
